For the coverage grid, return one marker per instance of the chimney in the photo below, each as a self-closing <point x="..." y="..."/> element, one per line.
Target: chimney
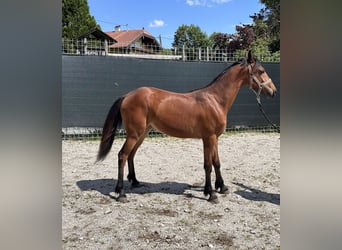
<point x="117" y="28"/>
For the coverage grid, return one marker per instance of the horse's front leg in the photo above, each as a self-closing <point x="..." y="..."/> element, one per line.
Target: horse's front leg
<point x="208" y="190"/>
<point x="208" y="144"/>
<point x="219" y="183"/>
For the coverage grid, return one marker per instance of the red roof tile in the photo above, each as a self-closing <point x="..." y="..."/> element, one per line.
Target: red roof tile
<point x="126" y="37"/>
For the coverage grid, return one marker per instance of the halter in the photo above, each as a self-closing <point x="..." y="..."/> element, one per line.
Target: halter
<point x="260" y="84"/>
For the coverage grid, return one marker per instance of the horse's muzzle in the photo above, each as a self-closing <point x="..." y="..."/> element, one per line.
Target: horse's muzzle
<point x="271" y="92"/>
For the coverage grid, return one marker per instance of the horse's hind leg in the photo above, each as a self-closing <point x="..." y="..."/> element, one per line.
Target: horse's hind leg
<point x="219" y="183"/>
<point x="131" y="172"/>
<point x="122" y="158"/>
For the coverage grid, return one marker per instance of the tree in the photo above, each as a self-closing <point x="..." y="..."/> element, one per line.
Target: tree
<point x="76" y="18"/>
<point x="242" y="39"/>
<point x="267" y="23"/>
<point x="245" y="35"/>
<point x="220" y="40"/>
<point x="190" y="36"/>
<point x="272" y="14"/>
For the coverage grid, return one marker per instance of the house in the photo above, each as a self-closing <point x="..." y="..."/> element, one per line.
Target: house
<point x="93" y="42"/>
<point x="133" y="41"/>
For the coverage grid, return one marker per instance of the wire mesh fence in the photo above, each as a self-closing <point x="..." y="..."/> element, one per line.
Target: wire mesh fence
<point x="104" y="48"/>
<point x="77" y="133"/>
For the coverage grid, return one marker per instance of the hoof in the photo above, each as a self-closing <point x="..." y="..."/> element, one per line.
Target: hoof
<point x="213" y="199"/>
<point x="122" y="199"/>
<point x="207" y="191"/>
<point x="224" y="190"/>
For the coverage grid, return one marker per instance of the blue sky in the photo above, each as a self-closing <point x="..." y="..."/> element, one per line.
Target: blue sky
<point x="163" y="17"/>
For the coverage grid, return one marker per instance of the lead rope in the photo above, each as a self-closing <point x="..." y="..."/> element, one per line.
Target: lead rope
<point x="266" y="117"/>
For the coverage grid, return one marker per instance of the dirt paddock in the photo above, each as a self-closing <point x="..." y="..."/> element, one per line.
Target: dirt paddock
<point x="169" y="211"/>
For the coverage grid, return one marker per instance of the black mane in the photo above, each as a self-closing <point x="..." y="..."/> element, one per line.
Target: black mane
<point x="242" y="62"/>
<point x="223" y="72"/>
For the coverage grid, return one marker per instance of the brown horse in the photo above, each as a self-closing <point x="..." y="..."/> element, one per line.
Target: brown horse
<point x="200" y="113"/>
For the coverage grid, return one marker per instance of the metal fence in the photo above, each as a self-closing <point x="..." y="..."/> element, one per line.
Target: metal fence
<point x="103" y="48"/>
<point x="90" y="85"/>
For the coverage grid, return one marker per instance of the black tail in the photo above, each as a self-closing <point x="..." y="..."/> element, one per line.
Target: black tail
<point x="113" y="120"/>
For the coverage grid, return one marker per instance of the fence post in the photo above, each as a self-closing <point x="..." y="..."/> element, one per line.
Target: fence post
<point x="85" y="47"/>
<point x="199" y="54"/>
<point x="106" y="47"/>
<point x="183" y="52"/>
<point x="207" y="53"/>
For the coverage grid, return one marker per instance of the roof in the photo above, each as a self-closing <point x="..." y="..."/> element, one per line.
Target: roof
<point x="126" y="37"/>
<point x="97" y="34"/>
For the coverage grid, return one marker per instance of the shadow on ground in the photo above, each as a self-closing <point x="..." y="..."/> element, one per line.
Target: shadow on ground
<point x="107" y="187"/>
<point x="257" y="195"/>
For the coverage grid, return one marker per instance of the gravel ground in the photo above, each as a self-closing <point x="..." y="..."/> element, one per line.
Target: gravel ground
<point x="169" y="211"/>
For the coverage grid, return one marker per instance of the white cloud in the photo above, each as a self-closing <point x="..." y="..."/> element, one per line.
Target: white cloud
<point x="220" y="1"/>
<point x="157" y="23"/>
<point x="195" y="2"/>
<point x="208" y="3"/>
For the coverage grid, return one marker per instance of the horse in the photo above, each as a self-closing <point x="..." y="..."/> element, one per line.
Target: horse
<point x="200" y="113"/>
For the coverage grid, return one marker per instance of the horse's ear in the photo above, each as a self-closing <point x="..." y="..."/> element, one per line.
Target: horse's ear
<point x="250" y="57"/>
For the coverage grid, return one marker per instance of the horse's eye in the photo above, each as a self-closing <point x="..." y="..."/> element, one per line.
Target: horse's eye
<point x="261" y="72"/>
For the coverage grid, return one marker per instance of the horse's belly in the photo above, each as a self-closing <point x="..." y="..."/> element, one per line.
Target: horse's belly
<point x="177" y="130"/>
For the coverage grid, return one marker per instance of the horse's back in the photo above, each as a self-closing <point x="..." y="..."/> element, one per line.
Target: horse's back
<point x="151" y="97"/>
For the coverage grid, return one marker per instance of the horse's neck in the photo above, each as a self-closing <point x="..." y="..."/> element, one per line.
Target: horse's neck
<point x="225" y="89"/>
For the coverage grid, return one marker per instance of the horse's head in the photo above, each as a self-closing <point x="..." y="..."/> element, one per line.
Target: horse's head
<point x="259" y="81"/>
